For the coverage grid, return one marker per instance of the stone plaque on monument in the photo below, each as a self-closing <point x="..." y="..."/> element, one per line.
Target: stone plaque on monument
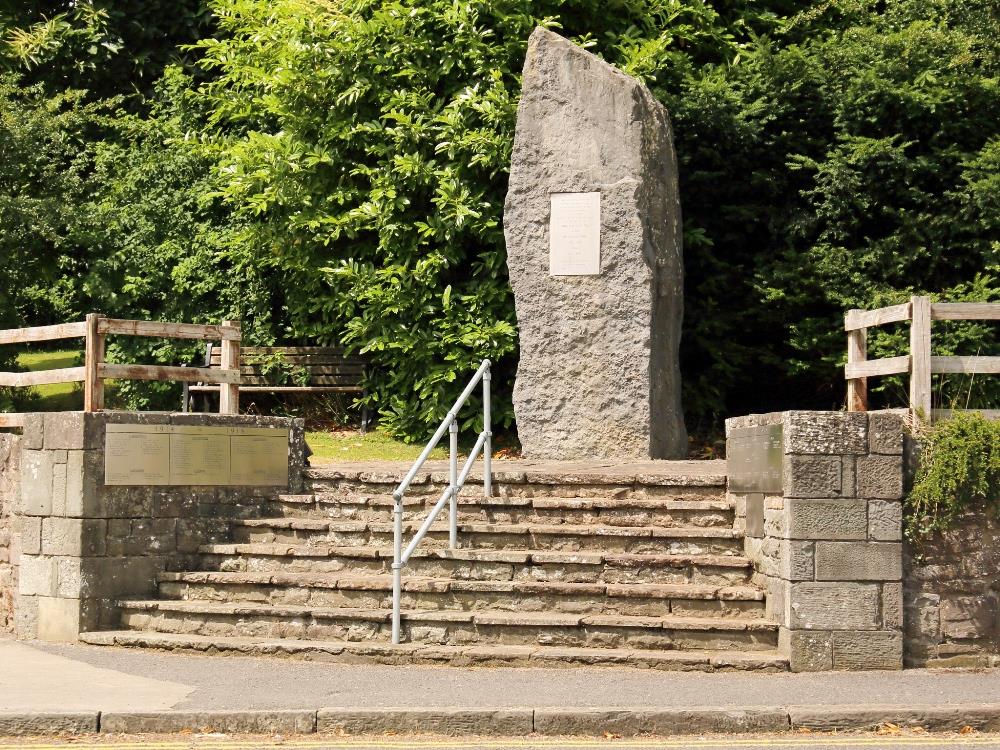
<point x="575" y="234"/>
<point x="593" y="231"/>
<point x="157" y="455"/>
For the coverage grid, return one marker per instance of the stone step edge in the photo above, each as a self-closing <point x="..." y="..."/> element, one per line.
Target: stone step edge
<point x="432" y="585"/>
<point x="503" y="475"/>
<point x="484" y="618"/>
<point x="518" y="557"/>
<point x="419" y="653"/>
<point x="536" y="503"/>
<point x="480" y="721"/>
<point x="512" y="529"/>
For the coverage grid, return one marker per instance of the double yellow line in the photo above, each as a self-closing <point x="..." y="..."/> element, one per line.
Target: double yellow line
<point x="390" y="743"/>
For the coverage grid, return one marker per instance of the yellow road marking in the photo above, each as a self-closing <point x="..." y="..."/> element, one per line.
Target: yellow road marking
<point x="653" y="744"/>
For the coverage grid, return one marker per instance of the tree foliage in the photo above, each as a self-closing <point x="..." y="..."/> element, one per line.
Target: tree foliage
<point x="334" y="171"/>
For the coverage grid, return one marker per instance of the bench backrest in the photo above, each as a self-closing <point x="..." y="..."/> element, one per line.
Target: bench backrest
<point x="324" y="366"/>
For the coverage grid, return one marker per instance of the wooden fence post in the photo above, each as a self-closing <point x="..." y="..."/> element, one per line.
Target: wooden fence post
<point x="857" y="388"/>
<point x="229" y="393"/>
<point x="93" y="385"/>
<point x="920" y="357"/>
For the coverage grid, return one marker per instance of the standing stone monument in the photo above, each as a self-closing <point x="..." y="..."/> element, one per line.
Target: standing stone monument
<point x="593" y="229"/>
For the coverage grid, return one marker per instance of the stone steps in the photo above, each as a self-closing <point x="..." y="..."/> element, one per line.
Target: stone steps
<point x="542" y="482"/>
<point x="482" y="564"/>
<point x="691" y="540"/>
<point x="556" y="568"/>
<point x="375" y="592"/>
<point x="363" y="652"/>
<point x="449" y="627"/>
<point x="708" y="511"/>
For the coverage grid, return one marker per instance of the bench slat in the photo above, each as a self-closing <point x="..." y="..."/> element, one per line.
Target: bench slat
<point x="284" y="388"/>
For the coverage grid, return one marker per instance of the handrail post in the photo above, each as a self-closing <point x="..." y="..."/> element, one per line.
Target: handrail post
<point x="397" y="564"/>
<point x="453" y="483"/>
<point x="93" y="385"/>
<point x="488" y="430"/>
<point x="920" y="357"/>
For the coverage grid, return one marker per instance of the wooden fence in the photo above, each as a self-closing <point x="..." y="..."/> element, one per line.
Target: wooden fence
<point x="95" y="370"/>
<point x="919" y="363"/>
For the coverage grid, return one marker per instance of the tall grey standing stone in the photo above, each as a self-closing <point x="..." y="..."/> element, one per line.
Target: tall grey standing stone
<point x="598" y="373"/>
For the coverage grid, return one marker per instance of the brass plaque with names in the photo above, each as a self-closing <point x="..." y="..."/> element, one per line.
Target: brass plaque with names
<point x="755" y="458"/>
<point x="177" y="455"/>
<point x="575" y="234"/>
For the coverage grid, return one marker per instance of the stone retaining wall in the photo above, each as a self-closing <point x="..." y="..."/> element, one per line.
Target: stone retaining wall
<point x="828" y="547"/>
<point x="10" y="478"/>
<point x="84" y="545"/>
<point x="951" y="594"/>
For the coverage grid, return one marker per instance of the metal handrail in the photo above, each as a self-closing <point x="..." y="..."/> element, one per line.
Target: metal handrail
<point x="456" y="480"/>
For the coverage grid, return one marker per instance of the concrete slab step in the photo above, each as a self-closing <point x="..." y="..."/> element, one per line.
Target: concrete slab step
<point x="482" y="564"/>
<point x="571" y="537"/>
<point x="347" y="590"/>
<point x="415" y="653"/>
<point x="446" y="627"/>
<point x="626" y="510"/>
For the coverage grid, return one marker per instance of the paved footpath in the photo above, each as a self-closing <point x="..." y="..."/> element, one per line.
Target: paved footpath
<point x="56" y="677"/>
<point x="48" y="689"/>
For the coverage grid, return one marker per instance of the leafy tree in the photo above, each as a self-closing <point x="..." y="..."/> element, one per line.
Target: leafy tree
<point x="367" y="144"/>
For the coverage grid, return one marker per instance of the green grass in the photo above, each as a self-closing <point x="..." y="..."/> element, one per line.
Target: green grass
<point x="55" y="396"/>
<point x="350" y="445"/>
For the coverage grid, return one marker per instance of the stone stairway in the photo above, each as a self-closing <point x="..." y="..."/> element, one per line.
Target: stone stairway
<point x="557" y="568"/>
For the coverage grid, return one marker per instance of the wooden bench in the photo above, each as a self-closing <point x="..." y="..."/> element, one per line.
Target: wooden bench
<point x="320" y="369"/>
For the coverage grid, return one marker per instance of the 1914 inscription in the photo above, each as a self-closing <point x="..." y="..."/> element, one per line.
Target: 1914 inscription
<point x="575" y="234"/>
<point x="160" y="455"/>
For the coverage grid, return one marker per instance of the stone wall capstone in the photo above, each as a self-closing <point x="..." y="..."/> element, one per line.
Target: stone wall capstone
<point x="84" y="545"/>
<point x="598" y="374"/>
<point x="10" y="482"/>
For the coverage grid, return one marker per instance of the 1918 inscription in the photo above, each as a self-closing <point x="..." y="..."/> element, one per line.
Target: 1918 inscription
<point x="575" y="234"/>
<point x="186" y="455"/>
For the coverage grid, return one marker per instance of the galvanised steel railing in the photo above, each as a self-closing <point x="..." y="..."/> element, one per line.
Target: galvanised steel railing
<point x="456" y="481"/>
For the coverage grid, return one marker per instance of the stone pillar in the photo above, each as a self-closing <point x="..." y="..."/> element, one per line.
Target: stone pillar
<point x="85" y="544"/>
<point x="10" y="482"/>
<point x="828" y="546"/>
<point x="598" y="293"/>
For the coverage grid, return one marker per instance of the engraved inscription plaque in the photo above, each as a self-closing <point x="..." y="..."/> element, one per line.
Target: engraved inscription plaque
<point x="259" y="459"/>
<point x="575" y="234"/>
<point x="754" y="458"/>
<point x="142" y="458"/>
<point x="199" y="459"/>
<point x="187" y="455"/>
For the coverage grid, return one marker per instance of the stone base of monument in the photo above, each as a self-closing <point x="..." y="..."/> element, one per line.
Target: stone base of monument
<point x="567" y="564"/>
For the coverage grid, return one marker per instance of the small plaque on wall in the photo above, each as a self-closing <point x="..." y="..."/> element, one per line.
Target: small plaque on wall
<point x="575" y="234"/>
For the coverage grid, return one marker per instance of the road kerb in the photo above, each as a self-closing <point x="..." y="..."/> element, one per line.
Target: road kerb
<point x="511" y="722"/>
<point x="225" y="722"/>
<point x="28" y="724"/>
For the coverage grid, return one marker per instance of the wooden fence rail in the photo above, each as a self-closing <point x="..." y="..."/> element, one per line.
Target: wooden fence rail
<point x="95" y="370"/>
<point x="919" y="363"/>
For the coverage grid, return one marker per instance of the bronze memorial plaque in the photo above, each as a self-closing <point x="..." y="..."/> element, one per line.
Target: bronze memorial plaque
<point x="188" y="455"/>
<point x="136" y="458"/>
<point x="754" y="458"/>
<point x="575" y="234"/>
